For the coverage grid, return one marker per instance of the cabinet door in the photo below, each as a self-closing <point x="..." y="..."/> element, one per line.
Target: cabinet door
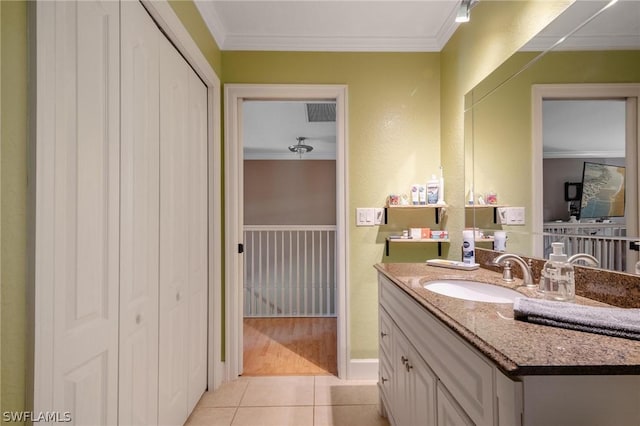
<point x="401" y="399"/>
<point x="138" y="376"/>
<point x="449" y="412"/>
<point x="415" y="391"/>
<point x="422" y="388"/>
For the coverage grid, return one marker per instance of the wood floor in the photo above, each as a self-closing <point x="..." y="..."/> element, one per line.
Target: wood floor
<point x="289" y="346"/>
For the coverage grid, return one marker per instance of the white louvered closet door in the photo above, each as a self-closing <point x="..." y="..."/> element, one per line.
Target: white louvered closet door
<point x="183" y="233"/>
<point x="139" y="235"/>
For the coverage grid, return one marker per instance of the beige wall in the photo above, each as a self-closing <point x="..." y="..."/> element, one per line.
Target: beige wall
<point x="289" y="192"/>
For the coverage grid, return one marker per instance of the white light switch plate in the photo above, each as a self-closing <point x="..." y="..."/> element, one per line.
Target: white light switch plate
<point x="378" y="216"/>
<point x="364" y="216"/>
<point x="511" y="215"/>
<point x="369" y="216"/>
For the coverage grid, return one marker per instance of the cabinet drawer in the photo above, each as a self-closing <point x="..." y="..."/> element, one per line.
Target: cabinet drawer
<point x="464" y="372"/>
<point x="386" y="333"/>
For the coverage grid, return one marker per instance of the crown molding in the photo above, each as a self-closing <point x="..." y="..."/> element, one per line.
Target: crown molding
<point x="330" y="43"/>
<point x="320" y="43"/>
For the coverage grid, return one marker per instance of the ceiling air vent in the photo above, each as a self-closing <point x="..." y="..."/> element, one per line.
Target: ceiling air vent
<point x="321" y="112"/>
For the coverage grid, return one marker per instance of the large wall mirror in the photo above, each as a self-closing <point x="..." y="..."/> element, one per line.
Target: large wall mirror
<point x="551" y="136"/>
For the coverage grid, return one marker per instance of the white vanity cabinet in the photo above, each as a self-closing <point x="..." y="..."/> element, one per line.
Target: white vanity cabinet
<point x="429" y="375"/>
<point x="415" y="389"/>
<point x="404" y="373"/>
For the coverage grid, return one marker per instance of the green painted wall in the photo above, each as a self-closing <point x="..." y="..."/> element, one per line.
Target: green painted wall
<point x="193" y="22"/>
<point x="497" y="30"/>
<point x="13" y="223"/>
<point x="393" y="141"/>
<point x="502" y="123"/>
<point x="405" y="113"/>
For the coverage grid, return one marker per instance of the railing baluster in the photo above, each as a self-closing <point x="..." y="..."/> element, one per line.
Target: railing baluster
<point x="289" y="271"/>
<point x="606" y="242"/>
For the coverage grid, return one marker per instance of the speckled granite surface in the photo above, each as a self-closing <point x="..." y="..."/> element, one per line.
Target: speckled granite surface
<point x="614" y="288"/>
<point x="517" y="348"/>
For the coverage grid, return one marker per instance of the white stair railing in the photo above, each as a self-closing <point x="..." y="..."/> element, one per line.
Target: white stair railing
<point x="606" y="242"/>
<point x="289" y="270"/>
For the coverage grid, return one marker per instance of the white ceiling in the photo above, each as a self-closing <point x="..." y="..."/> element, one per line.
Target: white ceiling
<point x="269" y="127"/>
<point x="583" y="128"/>
<point x="331" y="25"/>
<point x="394" y="25"/>
<point x="380" y="25"/>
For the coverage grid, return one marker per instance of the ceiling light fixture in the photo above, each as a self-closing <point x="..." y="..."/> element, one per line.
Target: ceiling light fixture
<point x="464" y="10"/>
<point x="300" y="148"/>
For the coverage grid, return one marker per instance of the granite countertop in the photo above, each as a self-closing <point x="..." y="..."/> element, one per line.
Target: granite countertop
<point x="517" y="348"/>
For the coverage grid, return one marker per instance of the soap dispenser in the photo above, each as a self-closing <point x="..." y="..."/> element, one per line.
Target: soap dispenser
<point x="557" y="281"/>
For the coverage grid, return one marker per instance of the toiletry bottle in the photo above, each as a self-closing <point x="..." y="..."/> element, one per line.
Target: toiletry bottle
<point x="422" y="194"/>
<point x="468" y="246"/>
<point x="415" y="194"/>
<point x="432" y="190"/>
<point x="557" y="281"/>
<point x="441" y="188"/>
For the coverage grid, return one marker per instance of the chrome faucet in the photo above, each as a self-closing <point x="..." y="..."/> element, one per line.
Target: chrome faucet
<point x="526" y="270"/>
<point x="587" y="258"/>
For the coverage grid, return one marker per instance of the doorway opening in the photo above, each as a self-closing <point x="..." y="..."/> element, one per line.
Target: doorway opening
<point x="286" y="221"/>
<point x="289" y="290"/>
<point x="568" y="148"/>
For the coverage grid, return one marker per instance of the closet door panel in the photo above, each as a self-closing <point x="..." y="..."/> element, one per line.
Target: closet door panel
<point x="139" y="238"/>
<point x="174" y="236"/>
<point x="85" y="211"/>
<point x="197" y="217"/>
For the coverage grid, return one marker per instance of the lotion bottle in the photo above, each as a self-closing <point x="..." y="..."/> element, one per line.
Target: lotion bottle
<point x="432" y="190"/>
<point x="468" y="246"/>
<point x="557" y="281"/>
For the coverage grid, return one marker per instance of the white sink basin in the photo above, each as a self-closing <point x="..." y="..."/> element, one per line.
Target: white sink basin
<point x="473" y="290"/>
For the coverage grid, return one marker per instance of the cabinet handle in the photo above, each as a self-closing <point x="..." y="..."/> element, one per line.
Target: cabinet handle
<point x="384" y="380"/>
<point x="383" y="334"/>
<point x="408" y="367"/>
<point x="403" y="359"/>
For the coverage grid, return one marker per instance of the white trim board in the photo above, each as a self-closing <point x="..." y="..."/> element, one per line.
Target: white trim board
<point x="363" y="369"/>
<point x="234" y="95"/>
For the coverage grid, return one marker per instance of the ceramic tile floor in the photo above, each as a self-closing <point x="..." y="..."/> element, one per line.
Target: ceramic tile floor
<point x="290" y="401"/>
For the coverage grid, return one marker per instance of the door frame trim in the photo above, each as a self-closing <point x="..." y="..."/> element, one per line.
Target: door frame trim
<point x="584" y="91"/>
<point x="234" y="95"/>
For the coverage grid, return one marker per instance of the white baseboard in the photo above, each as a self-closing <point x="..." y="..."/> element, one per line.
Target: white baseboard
<point x="363" y="369"/>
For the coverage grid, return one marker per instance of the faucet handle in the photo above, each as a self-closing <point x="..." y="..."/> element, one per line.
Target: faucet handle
<point x="507" y="275"/>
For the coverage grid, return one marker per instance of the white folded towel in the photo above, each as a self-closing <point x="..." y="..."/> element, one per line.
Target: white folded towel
<point x="617" y="322"/>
